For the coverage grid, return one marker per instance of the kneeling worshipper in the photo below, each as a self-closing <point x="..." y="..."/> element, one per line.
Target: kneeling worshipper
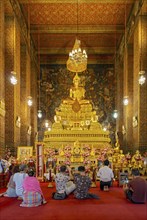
<point x="83" y="183"/>
<point x="32" y="194"/>
<point x="106" y="176"/>
<point x="136" y="189"/>
<point x="11" y="191"/>
<point x="19" y="178"/>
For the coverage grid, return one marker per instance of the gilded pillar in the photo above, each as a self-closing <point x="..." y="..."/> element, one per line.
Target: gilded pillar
<point x="24" y="93"/>
<point x="12" y="92"/>
<point x="23" y="96"/>
<point x="143" y="88"/>
<point x="17" y="87"/>
<point x="34" y="92"/>
<point x="130" y="95"/>
<point x="119" y="120"/>
<point x="2" y="80"/>
<point x="9" y="88"/>
<point x="140" y="91"/>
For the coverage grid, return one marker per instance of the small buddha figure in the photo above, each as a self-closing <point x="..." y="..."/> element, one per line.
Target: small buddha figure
<point x="121" y="157"/>
<point x="92" y="153"/>
<point x="137" y="159"/>
<point x="77" y="92"/>
<point x="137" y="155"/>
<point x="61" y="153"/>
<point x="76" y="148"/>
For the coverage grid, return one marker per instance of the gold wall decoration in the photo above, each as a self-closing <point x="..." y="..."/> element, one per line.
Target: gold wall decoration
<point x="24" y="152"/>
<point x="2" y="108"/>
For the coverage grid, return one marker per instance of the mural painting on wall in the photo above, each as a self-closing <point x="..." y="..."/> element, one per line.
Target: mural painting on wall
<point x="99" y="82"/>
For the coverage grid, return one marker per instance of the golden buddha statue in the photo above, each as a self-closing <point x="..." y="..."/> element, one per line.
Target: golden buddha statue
<point x="77" y="92"/>
<point x="137" y="160"/>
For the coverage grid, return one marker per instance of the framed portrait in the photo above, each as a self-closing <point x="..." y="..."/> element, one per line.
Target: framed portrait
<point x="24" y="152"/>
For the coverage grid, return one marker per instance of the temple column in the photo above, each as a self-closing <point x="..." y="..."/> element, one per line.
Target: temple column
<point x="12" y="93"/>
<point x="2" y="80"/>
<point x="140" y="91"/>
<point x="25" y="92"/>
<point x="130" y="95"/>
<point x="119" y="98"/>
<point x="34" y="92"/>
<point x="128" y="91"/>
<point x="23" y="97"/>
<point x="142" y="111"/>
<point x="18" y="86"/>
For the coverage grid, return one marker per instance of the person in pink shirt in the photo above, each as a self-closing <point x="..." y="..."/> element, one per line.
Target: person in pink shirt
<point x="32" y="194"/>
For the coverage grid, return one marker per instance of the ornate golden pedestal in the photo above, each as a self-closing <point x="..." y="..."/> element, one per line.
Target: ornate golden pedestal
<point x="76" y="123"/>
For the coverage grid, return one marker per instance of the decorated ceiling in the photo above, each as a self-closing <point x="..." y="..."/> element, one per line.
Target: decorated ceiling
<point x="55" y="24"/>
<point x="100" y="25"/>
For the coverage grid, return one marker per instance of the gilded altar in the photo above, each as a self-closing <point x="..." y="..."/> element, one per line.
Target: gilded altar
<point x="76" y="123"/>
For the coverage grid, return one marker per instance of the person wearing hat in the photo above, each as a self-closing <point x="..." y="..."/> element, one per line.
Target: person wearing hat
<point x="106" y="175"/>
<point x="136" y="190"/>
<point x="19" y="178"/>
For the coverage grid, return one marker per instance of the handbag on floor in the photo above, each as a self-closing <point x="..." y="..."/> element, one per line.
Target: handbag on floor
<point x="70" y="187"/>
<point x="59" y="196"/>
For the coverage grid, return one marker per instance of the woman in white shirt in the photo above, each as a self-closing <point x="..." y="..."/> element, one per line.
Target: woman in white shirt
<point x="19" y="178"/>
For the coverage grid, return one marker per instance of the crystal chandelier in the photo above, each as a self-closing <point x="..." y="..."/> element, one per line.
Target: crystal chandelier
<point x="77" y="61"/>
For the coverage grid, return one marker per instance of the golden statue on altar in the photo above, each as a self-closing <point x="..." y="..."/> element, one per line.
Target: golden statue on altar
<point x="137" y="161"/>
<point x="76" y="119"/>
<point x="76" y="114"/>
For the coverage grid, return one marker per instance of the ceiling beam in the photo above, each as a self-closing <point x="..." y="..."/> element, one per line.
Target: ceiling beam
<point x="92" y="29"/>
<point x="94" y="50"/>
<point x="59" y="61"/>
<point x="78" y="1"/>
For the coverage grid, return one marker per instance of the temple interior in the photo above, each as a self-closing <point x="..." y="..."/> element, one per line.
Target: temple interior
<point x="73" y="86"/>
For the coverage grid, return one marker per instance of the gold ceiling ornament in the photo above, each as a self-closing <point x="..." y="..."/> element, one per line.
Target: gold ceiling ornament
<point x="77" y="61"/>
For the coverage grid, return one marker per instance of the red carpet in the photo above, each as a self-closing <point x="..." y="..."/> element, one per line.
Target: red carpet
<point x="112" y="205"/>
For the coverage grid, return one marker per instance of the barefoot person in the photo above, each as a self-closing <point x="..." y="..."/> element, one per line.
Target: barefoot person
<point x="32" y="193"/>
<point x="136" y="190"/>
<point x="83" y="183"/>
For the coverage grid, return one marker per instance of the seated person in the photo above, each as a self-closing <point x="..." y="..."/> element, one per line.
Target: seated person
<point x="62" y="178"/>
<point x="83" y="183"/>
<point x="11" y="192"/>
<point x="9" y="172"/>
<point x="19" y="178"/>
<point x="32" y="194"/>
<point x="136" y="190"/>
<point x="106" y="175"/>
<point x="2" y="170"/>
